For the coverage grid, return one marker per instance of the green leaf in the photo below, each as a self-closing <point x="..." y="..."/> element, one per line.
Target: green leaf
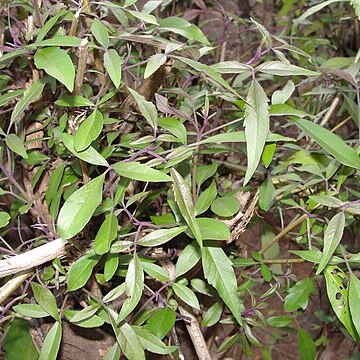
<point x="100" y="32"/>
<point x="114" y="293"/>
<point x="153" y="64"/>
<point x="231" y="67"/>
<point x="283" y="69"/>
<point x="4" y="218"/>
<point x="330" y="142"/>
<point x="49" y="24"/>
<point x="161" y="322"/>
<point x="106" y="234"/>
<point x="311" y="11"/>
<point x="57" y="63"/>
<point x="79" y="208"/>
<point x="31" y="310"/>
<point x="155" y="271"/>
<point x="31" y="94"/>
<point x="137" y="171"/>
<point x="111" y="265"/>
<point x="59" y="40"/>
<point x="256" y="126"/>
<point x="185" y="203"/>
<point x="266" y="195"/>
<point x="354" y="301"/>
<point x="88" y="130"/>
<point x="286" y="110"/>
<point x="182" y="27"/>
<point x="90" y="155"/>
<point x="213" y="229"/>
<point x="18" y="343"/>
<point x="93" y="322"/>
<point x="186" y="295"/>
<point x="219" y="273"/>
<point x="134" y="288"/>
<point x="327" y="200"/>
<point x="147" y="108"/>
<point x="188" y="258"/>
<point x="128" y="341"/>
<point x="225" y="206"/>
<point x="332" y="238"/>
<point x="46" y="300"/>
<point x="174" y="126"/>
<point x="51" y="343"/>
<point x="279" y="321"/>
<point x="112" y="63"/>
<point x="213" y="315"/>
<point x="315" y="256"/>
<point x="73" y="101"/>
<point x="356" y="5"/>
<point x="113" y="353"/>
<point x="307" y="348"/>
<point x="338" y="294"/>
<point x="298" y="296"/>
<point x="208" y="71"/>
<point x="80" y="271"/>
<point x="204" y="172"/>
<point x="159" y="237"/>
<point x="150" y="19"/>
<point x="152" y="343"/>
<point x="205" y="199"/>
<point x="239" y="137"/>
<point x="268" y="154"/>
<point x="85" y="313"/>
<point x="54" y="183"/>
<point x="283" y="95"/>
<point x="16" y="145"/>
<point x="7" y="97"/>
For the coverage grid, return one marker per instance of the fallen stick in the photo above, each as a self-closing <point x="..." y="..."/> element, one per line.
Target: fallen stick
<point x="9" y="288"/>
<point x="33" y="258"/>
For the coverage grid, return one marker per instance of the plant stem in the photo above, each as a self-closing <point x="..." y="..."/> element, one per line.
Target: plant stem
<point x="282" y="233"/>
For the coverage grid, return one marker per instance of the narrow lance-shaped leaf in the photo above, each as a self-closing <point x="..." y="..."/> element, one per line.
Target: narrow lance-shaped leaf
<point x="147" y="108"/>
<point x="159" y="237"/>
<point x="51" y="343"/>
<point x="100" y="32"/>
<point x="46" y="300"/>
<point x="88" y="130"/>
<point x="79" y="207"/>
<point x="112" y="64"/>
<point x="332" y="238"/>
<point x="282" y="69"/>
<point x="184" y="28"/>
<point x="106" y="234"/>
<point x="219" y="273"/>
<point x="134" y="288"/>
<point x="330" y="142"/>
<point x="338" y="295"/>
<point x="89" y="155"/>
<point x="256" y="126"/>
<point x="186" y="295"/>
<point x="141" y="172"/>
<point x="57" y="63"/>
<point x="31" y="94"/>
<point x="185" y="203"/>
<point x="153" y="64"/>
<point x="354" y="300"/>
<point x="16" y="145"/>
<point x="307" y="348"/>
<point x="81" y="270"/>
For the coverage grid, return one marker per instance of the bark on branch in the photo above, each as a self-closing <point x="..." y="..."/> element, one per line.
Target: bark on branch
<point x="33" y="258"/>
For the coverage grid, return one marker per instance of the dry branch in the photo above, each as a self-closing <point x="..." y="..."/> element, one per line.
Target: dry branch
<point x="33" y="258"/>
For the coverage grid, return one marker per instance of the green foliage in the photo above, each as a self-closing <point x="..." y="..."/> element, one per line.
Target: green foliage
<point x="180" y="174"/>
